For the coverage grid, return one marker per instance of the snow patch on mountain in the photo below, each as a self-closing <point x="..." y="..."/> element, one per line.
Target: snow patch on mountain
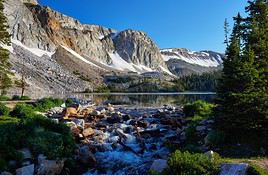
<point x="166" y="71"/>
<point x="120" y="64"/>
<point x="80" y="57"/>
<point x="203" y="58"/>
<point x="35" y="51"/>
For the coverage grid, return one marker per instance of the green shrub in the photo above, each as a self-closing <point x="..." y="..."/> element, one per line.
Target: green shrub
<point x="185" y="163"/>
<point x="3" y="164"/>
<point x="47" y="103"/>
<point x="47" y="137"/>
<point x="48" y="143"/>
<point x="4" y="110"/>
<point x="192" y="148"/>
<point x="69" y="102"/>
<point x="4" y="98"/>
<point x="255" y="170"/>
<point x="101" y="89"/>
<point x="8" y="120"/>
<point x="16" y="97"/>
<point x="23" y="110"/>
<point x="39" y="134"/>
<point x="215" y="138"/>
<point x="198" y="108"/>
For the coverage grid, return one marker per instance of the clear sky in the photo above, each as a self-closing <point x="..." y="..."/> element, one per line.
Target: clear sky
<point x="192" y="24"/>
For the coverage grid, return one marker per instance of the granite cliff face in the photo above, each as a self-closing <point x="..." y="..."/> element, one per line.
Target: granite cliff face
<point x="138" y="48"/>
<point x="41" y="27"/>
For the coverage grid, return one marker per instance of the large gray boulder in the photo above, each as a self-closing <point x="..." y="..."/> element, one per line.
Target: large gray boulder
<point x="26" y="170"/>
<point x="234" y="169"/>
<point x="159" y="165"/>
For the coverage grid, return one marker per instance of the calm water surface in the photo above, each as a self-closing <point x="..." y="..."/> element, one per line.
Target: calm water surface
<point x="145" y="99"/>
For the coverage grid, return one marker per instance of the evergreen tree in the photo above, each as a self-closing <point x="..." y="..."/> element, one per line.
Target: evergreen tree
<point x="243" y="104"/>
<point x="5" y="81"/>
<point x="257" y="40"/>
<point x="226" y="32"/>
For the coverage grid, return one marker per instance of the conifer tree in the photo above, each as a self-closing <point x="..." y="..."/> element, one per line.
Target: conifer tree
<point x="5" y="81"/>
<point x="257" y="40"/>
<point x="243" y="97"/>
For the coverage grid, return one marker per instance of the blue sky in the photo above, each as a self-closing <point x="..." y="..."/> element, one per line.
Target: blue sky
<point x="192" y="24"/>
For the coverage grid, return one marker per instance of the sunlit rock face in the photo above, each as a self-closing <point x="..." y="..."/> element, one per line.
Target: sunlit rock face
<point x="34" y="2"/>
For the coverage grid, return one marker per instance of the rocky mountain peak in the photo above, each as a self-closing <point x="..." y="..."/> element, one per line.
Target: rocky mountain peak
<point x="137" y="47"/>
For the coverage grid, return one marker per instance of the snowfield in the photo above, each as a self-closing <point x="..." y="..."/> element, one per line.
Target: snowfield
<point x="80" y="57"/>
<point x="199" y="58"/>
<point x="35" y="51"/>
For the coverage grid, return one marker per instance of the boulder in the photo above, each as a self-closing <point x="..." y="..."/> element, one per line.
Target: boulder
<point x="115" y="118"/>
<point x="26" y="170"/>
<point x="70" y="111"/>
<point x="41" y="158"/>
<point x="88" y="132"/>
<point x="201" y="128"/>
<point x="126" y="117"/>
<point x="80" y="123"/>
<point x="75" y="131"/>
<point x="143" y="124"/>
<point x="110" y="109"/>
<point x="150" y="133"/>
<point x="101" y="109"/>
<point x="234" y="169"/>
<point x="6" y="173"/>
<point x="70" y="124"/>
<point x="96" y="113"/>
<point x="85" y="156"/>
<point x="209" y="154"/>
<point x="174" y="122"/>
<point x="159" y="165"/>
<point x="55" y="120"/>
<point x="87" y="111"/>
<point x="50" y="167"/>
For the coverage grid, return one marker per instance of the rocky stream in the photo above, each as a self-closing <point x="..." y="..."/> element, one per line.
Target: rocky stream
<point x="121" y="140"/>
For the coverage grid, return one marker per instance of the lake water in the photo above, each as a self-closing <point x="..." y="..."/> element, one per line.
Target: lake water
<point x="146" y="99"/>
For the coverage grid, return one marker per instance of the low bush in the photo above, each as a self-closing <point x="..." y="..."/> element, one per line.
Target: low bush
<point x="23" y="110"/>
<point x="4" y="110"/>
<point x="198" y="108"/>
<point x="16" y="97"/>
<point x="255" y="170"/>
<point x="185" y="163"/>
<point x="48" y="143"/>
<point x="69" y="101"/>
<point x="215" y="138"/>
<point x="47" y="137"/>
<point x="25" y="128"/>
<point x="47" y="103"/>
<point x="8" y="120"/>
<point x="101" y="89"/>
<point x="4" y="98"/>
<point x="41" y="135"/>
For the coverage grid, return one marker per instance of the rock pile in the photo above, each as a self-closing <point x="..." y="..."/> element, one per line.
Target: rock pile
<point x="116" y="139"/>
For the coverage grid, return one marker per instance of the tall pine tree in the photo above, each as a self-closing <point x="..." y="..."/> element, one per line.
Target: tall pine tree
<point x="5" y="81"/>
<point x="243" y="90"/>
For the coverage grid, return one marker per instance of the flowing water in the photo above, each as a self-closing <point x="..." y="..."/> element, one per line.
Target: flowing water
<point x="123" y="149"/>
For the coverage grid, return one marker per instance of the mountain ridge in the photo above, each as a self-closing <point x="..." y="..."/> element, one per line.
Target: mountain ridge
<point x="43" y="31"/>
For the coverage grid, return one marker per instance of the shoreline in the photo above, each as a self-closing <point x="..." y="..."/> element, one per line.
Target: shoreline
<point x="151" y="93"/>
